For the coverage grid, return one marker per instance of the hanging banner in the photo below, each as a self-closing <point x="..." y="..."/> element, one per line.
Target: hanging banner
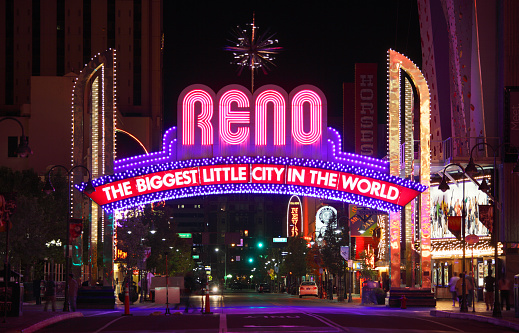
<point x="455" y="226"/>
<point x="486" y="216"/>
<point x="75" y="228"/>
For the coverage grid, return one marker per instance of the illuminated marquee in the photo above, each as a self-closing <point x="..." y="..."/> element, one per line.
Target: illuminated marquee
<point x="294" y="217"/>
<point x="266" y="142"/>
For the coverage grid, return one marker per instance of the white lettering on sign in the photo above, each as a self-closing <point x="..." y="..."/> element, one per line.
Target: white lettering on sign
<point x="373" y="187"/>
<point x="255" y="174"/>
<point x="268" y="174"/>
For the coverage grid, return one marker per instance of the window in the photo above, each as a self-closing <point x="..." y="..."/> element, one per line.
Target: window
<point x="12" y="146"/>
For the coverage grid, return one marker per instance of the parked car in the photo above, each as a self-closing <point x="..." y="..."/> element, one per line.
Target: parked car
<point x="264" y="288"/>
<point x="308" y="288"/>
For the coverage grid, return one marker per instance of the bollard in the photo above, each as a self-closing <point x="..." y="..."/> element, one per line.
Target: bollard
<point x="403" y="302"/>
<point x="207" y="306"/>
<point x="127" y="300"/>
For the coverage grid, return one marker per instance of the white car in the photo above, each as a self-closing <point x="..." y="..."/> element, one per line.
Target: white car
<point x="308" y="288"/>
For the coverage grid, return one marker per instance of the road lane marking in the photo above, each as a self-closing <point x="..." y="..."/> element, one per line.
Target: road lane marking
<point x="327" y="322"/>
<point x="110" y="323"/>
<point x="223" y="323"/>
<point x="432" y="321"/>
<point x="99" y="314"/>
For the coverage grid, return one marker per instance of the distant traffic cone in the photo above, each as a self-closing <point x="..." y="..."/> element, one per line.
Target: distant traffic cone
<point x="207" y="305"/>
<point x="127" y="300"/>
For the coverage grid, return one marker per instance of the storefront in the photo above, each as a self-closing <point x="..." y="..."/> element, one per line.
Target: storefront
<point x="447" y="247"/>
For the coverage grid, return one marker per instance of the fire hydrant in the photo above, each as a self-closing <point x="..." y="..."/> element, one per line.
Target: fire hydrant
<point x="403" y="302"/>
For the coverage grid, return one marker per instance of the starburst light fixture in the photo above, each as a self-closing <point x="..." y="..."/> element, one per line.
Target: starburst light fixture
<point x="252" y="50"/>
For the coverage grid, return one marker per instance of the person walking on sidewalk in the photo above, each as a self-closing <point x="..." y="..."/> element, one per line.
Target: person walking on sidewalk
<point x="489" y="290"/>
<point x="50" y="294"/>
<point x="452" y="287"/>
<point x="459" y="288"/>
<point x="72" y="292"/>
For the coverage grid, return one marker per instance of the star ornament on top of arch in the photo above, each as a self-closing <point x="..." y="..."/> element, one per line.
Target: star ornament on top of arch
<point x="267" y="142"/>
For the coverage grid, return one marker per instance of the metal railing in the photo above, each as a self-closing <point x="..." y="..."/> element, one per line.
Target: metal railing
<point x="455" y="149"/>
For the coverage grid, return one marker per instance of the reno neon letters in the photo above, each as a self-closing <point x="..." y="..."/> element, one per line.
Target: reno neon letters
<point x="234" y="121"/>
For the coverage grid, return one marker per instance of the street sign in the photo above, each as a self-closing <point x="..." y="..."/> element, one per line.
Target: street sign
<point x="279" y="240"/>
<point x="345" y="252"/>
<point x="472" y="239"/>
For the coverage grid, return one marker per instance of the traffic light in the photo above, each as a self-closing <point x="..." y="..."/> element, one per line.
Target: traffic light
<point x="251" y="260"/>
<point x="260" y="244"/>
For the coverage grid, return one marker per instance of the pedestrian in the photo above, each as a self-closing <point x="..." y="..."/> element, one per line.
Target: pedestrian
<point x="452" y="287"/>
<point x="50" y="294"/>
<point x="72" y="292"/>
<point x="459" y="288"/>
<point x="489" y="290"/>
<point x="505" y="285"/>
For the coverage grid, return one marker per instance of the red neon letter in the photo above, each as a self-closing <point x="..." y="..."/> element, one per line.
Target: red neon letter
<point x="315" y="120"/>
<point x="188" y="117"/>
<point x="274" y="97"/>
<point x="229" y="117"/>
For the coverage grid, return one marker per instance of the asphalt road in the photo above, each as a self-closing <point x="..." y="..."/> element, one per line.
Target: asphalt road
<point x="253" y="312"/>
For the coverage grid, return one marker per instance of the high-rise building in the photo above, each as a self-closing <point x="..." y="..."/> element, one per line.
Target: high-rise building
<point x="45" y="45"/>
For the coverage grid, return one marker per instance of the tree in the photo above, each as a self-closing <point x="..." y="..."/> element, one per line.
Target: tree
<point x="37" y="219"/>
<point x="331" y="250"/>
<point x="165" y="240"/>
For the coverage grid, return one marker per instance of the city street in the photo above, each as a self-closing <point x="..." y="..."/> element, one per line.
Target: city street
<point x="268" y="312"/>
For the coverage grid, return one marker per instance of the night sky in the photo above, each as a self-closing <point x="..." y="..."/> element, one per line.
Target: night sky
<point x="322" y="41"/>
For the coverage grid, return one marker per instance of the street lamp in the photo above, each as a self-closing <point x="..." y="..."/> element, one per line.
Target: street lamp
<point x="349" y="276"/>
<point x="444" y="187"/>
<point x="48" y="188"/>
<point x="471" y="167"/>
<point x="23" y="149"/>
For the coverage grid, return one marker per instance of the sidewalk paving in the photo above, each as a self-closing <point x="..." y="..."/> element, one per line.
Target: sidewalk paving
<point x="34" y="318"/>
<point x="444" y="308"/>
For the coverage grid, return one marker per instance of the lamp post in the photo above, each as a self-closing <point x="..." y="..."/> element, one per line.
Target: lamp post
<point x="347" y="277"/>
<point x="471" y="169"/>
<point x="444" y="187"/>
<point x="23" y="148"/>
<point x="48" y="188"/>
<point x="22" y="151"/>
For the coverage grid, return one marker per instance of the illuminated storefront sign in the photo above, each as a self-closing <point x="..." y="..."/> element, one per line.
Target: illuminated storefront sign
<point x="294" y="217"/>
<point x="324" y="217"/>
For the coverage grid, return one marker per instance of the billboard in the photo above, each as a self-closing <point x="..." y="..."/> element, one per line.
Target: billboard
<point x="450" y="203"/>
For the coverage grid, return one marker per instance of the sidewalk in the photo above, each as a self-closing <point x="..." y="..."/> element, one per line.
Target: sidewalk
<point x="444" y="308"/>
<point x="34" y="318"/>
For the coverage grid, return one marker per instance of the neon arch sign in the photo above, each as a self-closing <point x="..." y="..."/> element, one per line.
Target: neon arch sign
<point x="266" y="142"/>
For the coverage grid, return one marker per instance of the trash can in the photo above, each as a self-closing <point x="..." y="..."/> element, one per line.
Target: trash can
<point x="516" y="295"/>
<point x="14" y="304"/>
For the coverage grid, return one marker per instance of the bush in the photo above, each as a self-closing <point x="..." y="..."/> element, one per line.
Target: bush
<point x="381" y="295"/>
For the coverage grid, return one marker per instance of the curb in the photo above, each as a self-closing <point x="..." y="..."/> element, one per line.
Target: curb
<point x="491" y="320"/>
<point x="47" y="322"/>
